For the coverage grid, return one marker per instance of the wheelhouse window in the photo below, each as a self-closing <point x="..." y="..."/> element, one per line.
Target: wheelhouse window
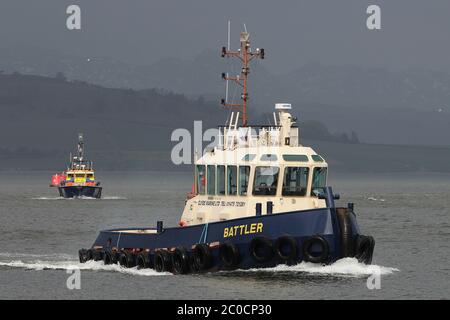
<point x="295" y="181"/>
<point x="220" y="180"/>
<point x="249" y="157"/>
<point x="244" y="176"/>
<point x="266" y="180"/>
<point x="295" y="157"/>
<point x="269" y="157"/>
<point x="200" y="179"/>
<point x="317" y="158"/>
<point x="232" y="180"/>
<point x="319" y="180"/>
<point x="211" y="175"/>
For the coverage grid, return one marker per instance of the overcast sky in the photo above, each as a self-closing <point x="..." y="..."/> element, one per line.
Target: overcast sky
<point x="415" y="33"/>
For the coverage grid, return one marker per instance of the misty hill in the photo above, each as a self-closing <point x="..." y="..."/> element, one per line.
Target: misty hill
<point x="411" y="106"/>
<point x="130" y="129"/>
<point x="41" y="117"/>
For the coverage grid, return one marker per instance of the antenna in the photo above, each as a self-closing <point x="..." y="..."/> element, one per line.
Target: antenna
<point x="228" y="48"/>
<point x="246" y="55"/>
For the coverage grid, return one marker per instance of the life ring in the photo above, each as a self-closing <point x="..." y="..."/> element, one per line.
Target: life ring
<point x="162" y="261"/>
<point x="229" y="255"/>
<point x="311" y="256"/>
<point x="202" y="256"/>
<point x="180" y="260"/>
<point x="261" y="249"/>
<point x="286" y="248"/>
<point x="364" y="249"/>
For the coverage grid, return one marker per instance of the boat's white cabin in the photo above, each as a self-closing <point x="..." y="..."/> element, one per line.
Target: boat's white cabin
<point x="256" y="171"/>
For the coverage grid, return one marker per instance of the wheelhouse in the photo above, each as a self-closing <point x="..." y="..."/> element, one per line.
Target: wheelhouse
<point x="291" y="175"/>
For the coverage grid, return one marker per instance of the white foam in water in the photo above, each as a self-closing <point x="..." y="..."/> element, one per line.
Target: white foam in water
<point x="375" y="199"/>
<point x="343" y="267"/>
<point x="64" y="264"/>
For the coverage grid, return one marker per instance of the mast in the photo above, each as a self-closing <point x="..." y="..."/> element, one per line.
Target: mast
<point x="80" y="147"/>
<point x="246" y="55"/>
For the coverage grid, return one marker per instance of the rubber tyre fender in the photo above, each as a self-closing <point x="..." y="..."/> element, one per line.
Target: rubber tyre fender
<point x="162" y="261"/>
<point x="180" y="261"/>
<point x="307" y="255"/>
<point x="142" y="261"/>
<point x="131" y="260"/>
<point x="97" y="255"/>
<point x="193" y="265"/>
<point x="122" y="259"/>
<point x="264" y="245"/>
<point x="202" y="256"/>
<point x="82" y="255"/>
<point x="229" y="255"/>
<point x="346" y="231"/>
<point x="107" y="258"/>
<point x="281" y="243"/>
<point x="364" y="249"/>
<point x="89" y="254"/>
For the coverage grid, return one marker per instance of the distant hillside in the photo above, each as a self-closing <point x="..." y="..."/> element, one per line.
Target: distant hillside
<point x="124" y="128"/>
<point x="382" y="106"/>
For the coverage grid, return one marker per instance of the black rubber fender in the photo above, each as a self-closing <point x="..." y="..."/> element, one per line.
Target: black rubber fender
<point x="229" y="255"/>
<point x="284" y="242"/>
<point x="307" y="254"/>
<point x="193" y="265"/>
<point x="364" y="249"/>
<point x="261" y="249"/>
<point x="122" y="259"/>
<point x="107" y="258"/>
<point x="202" y="256"/>
<point x="89" y="254"/>
<point x="142" y="261"/>
<point x="180" y="260"/>
<point x="82" y="255"/>
<point x="162" y="261"/>
<point x="345" y="226"/>
<point x="97" y="255"/>
<point x="127" y="259"/>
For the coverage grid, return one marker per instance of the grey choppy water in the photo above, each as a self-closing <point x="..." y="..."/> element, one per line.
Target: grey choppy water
<point x="40" y="234"/>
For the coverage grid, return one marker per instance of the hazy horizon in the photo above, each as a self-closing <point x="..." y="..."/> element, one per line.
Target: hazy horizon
<point x="294" y="33"/>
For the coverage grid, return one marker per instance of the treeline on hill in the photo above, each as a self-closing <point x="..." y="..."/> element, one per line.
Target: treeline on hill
<point x="44" y="114"/>
<point x="131" y="129"/>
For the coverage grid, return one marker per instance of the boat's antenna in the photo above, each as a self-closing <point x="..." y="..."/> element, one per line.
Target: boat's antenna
<point x="245" y="55"/>
<point x="228" y="48"/>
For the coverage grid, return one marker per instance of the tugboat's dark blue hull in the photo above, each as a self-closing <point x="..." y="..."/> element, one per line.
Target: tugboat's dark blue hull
<point x="318" y="235"/>
<point x="80" y="191"/>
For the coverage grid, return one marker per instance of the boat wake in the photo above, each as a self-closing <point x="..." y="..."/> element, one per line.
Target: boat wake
<point x="347" y="267"/>
<point x="66" y="262"/>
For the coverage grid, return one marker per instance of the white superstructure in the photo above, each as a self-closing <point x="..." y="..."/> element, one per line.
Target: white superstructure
<point x="256" y="170"/>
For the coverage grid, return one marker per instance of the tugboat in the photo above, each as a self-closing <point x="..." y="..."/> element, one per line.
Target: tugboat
<point x="259" y="199"/>
<point x="79" y="178"/>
